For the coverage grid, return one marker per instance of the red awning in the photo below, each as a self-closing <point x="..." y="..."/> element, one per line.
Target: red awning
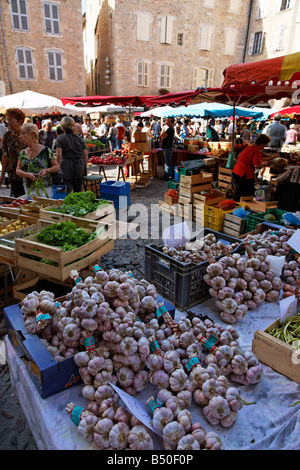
<point x="294" y="110"/>
<point x="176" y="99"/>
<point x="281" y="69"/>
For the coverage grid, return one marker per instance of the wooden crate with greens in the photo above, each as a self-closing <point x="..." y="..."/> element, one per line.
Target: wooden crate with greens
<point x="59" y="248"/>
<point x="80" y="205"/>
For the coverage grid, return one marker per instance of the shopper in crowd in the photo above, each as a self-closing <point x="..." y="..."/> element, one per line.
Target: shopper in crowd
<point x="277" y="132"/>
<point x="246" y="133"/>
<point x="103" y="129"/>
<point x="178" y="130"/>
<point x="2" y="132"/>
<point x="121" y="133"/>
<point x="58" y="132"/>
<point x="112" y="137"/>
<point x="211" y="134"/>
<point x="11" y="148"/>
<point x="47" y="134"/>
<point x="156" y="128"/>
<point x="248" y="161"/>
<point x="78" y="129"/>
<point x="222" y="127"/>
<point x="291" y="135"/>
<point x="136" y="134"/>
<point x="232" y="128"/>
<point x="167" y="139"/>
<point x="72" y="155"/>
<point x="203" y="128"/>
<point x="86" y="128"/>
<point x="36" y="163"/>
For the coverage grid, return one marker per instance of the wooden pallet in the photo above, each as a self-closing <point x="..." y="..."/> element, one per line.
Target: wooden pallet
<point x="169" y="208"/>
<point x="31" y="253"/>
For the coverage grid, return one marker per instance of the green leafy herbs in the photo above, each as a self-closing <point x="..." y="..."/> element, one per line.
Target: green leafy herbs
<point x="79" y="204"/>
<point x="65" y="235"/>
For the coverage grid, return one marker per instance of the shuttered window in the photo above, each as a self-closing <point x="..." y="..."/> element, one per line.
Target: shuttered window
<point x="51" y="17"/>
<point x="25" y="63"/>
<point x="55" y="66"/>
<point x="165" y="71"/>
<point x="206" y="32"/>
<point x="19" y="15"/>
<point x="166" y="30"/>
<point x="202" y="77"/>
<point x="143" y="69"/>
<point x="256" y="43"/>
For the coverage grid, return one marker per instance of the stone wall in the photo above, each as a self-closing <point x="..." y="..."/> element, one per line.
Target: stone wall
<point x="69" y="42"/>
<point x="129" y="32"/>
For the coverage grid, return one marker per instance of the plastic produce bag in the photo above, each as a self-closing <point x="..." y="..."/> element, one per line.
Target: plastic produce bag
<point x="291" y="219"/>
<point x="231" y="160"/>
<point x="241" y="213"/>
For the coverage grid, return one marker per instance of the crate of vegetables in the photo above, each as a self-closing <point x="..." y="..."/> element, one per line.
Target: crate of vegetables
<point x="278" y="347"/>
<point x="8" y="252"/>
<point x="58" y="248"/>
<point x="83" y="205"/>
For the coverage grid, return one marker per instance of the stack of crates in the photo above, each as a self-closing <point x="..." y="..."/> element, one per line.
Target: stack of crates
<point x="116" y="191"/>
<point x="252" y="220"/>
<point x="190" y="185"/>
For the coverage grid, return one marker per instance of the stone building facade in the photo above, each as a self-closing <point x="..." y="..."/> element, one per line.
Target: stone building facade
<point x="274" y="29"/>
<point x="152" y="47"/>
<point x="41" y="47"/>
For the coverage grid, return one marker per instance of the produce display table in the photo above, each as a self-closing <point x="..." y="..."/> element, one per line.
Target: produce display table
<point x="131" y="163"/>
<point x="271" y="423"/>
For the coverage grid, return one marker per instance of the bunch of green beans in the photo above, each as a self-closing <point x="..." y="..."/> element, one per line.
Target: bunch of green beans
<point x="288" y="331"/>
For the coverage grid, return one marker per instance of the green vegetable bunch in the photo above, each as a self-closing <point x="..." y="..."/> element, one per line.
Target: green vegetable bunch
<point x="79" y="204"/>
<point x="65" y="235"/>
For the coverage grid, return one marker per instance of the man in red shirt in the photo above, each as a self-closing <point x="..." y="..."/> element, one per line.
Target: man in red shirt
<point x="248" y="161"/>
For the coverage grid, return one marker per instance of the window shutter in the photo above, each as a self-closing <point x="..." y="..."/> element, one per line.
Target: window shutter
<point x="140" y="73"/>
<point x="251" y="44"/>
<point x="210" y="79"/>
<point x="261" y="9"/>
<point x="162" y="76"/>
<point x="168" y="76"/>
<point x="278" y="6"/>
<point x="169" y="34"/>
<point x="163" y="29"/>
<point x="206" y="37"/>
<point x="195" y="79"/>
<point x="146" y="74"/>
<point x="298" y="14"/>
<point x="143" y="27"/>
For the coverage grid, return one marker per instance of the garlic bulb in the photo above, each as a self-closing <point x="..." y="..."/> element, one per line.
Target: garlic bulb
<point x="140" y="439"/>
<point x="188" y="442"/>
<point x="173" y="432"/>
<point x="118" y="436"/>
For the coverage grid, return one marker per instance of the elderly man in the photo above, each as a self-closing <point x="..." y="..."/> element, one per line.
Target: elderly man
<point x="277" y="132"/>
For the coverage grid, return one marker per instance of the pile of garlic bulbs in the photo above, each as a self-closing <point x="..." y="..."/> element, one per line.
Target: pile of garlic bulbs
<point x="194" y="252"/>
<point x="110" y="324"/>
<point x="273" y="241"/>
<point x="240" y="283"/>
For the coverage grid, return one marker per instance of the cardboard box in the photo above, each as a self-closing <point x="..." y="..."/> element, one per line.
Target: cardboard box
<point x="276" y="354"/>
<point x="48" y="375"/>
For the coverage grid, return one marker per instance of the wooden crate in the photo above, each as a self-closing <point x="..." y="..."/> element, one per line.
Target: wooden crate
<point x="8" y="252"/>
<point x="202" y="198"/>
<point x="276" y="354"/>
<point x="34" y="211"/>
<point x="77" y="259"/>
<point x="104" y="214"/>
<point x="170" y="208"/>
<point x="259" y="206"/>
<point x="170" y="200"/>
<point x="31" y="282"/>
<point x="194" y="184"/>
<point x="234" y="226"/>
<point x="224" y="178"/>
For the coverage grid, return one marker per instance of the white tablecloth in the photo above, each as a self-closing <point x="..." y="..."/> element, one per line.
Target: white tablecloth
<point x="270" y="424"/>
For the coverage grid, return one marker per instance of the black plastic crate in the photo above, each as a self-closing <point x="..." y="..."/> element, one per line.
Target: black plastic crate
<point x="181" y="283"/>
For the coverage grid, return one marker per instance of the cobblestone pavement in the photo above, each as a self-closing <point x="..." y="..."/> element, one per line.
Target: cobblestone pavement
<point x="128" y="254"/>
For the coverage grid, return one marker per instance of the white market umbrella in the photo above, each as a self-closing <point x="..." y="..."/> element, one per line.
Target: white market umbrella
<point x="33" y="103"/>
<point x="158" y="112"/>
<point x="112" y="109"/>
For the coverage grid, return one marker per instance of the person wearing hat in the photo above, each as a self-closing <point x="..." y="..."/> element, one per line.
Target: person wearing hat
<point x="277" y="132"/>
<point x="291" y="135"/>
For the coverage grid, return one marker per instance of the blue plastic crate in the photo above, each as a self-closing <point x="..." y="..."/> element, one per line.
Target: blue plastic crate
<point x="59" y="192"/>
<point x="117" y="188"/>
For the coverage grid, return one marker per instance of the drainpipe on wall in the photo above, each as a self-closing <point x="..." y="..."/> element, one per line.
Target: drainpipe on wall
<point x="5" y="49"/>
<point x="248" y="28"/>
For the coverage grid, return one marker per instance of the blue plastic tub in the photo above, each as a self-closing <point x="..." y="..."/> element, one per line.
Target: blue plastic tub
<point x="120" y="202"/>
<point x="116" y="188"/>
<point x="59" y="192"/>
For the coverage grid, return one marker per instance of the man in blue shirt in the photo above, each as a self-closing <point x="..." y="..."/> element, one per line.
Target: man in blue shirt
<point x="277" y="132"/>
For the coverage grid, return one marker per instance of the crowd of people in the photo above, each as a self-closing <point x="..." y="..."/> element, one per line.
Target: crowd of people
<point x="36" y="152"/>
